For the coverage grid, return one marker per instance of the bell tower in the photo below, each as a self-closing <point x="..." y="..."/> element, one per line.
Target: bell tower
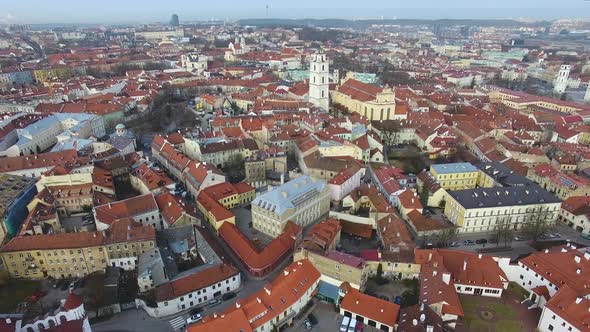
<point x="318" y="81"/>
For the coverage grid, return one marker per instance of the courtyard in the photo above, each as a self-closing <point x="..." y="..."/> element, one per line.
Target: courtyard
<point x="244" y="224"/>
<point x="506" y="314"/>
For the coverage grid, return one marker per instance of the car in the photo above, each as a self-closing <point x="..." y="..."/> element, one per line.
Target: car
<point x="344" y="324"/>
<point x="468" y="242"/>
<point x="554" y="235"/>
<point x="359" y="327"/>
<point x="196" y="311"/>
<point x="307" y="324"/>
<point x="312" y="319"/>
<point x="214" y="302"/>
<point x="429" y="245"/>
<point x="518" y="238"/>
<point x="88" y="222"/>
<point x="481" y="241"/>
<point x="352" y="325"/>
<point x="228" y="296"/>
<point x="194" y="319"/>
<point x="453" y="244"/>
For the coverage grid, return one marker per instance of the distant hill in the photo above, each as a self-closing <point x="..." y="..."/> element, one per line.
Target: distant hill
<point x="342" y="23"/>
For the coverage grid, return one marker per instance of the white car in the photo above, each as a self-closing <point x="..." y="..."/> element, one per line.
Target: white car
<point x="194" y="319"/>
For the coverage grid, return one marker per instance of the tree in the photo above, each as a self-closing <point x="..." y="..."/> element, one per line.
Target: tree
<point x="446" y="236"/>
<point x="502" y="231"/>
<point x="424" y="194"/>
<point x="379" y="270"/>
<point x="537" y="223"/>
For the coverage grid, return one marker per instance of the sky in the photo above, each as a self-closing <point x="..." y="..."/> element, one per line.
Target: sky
<point x="147" y="11"/>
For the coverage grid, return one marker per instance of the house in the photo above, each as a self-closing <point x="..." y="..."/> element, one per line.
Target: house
<point x="277" y="304"/>
<point x="367" y="309"/>
<point x="344" y="182"/>
<point x="455" y="176"/>
<point x="575" y="212"/>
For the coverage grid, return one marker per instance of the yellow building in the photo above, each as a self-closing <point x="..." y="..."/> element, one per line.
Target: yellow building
<point x="371" y="101"/>
<point x="67" y="255"/>
<point x="215" y="201"/>
<point x="336" y="267"/>
<point x="47" y="74"/>
<point x="62" y="255"/>
<point x="482" y="209"/>
<point x="455" y="176"/>
<point x="393" y="269"/>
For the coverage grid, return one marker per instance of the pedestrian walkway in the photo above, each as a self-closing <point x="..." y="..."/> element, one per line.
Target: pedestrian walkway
<point x="178" y="323"/>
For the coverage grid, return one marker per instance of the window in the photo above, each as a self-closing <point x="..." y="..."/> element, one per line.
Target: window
<point x="550" y="327"/>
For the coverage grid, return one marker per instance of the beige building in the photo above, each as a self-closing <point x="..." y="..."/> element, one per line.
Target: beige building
<point x="336" y="267"/>
<point x="371" y="101"/>
<point x="303" y="200"/>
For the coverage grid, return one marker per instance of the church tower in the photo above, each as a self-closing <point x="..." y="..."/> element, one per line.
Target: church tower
<point x="318" y="81"/>
<point x="560" y="83"/>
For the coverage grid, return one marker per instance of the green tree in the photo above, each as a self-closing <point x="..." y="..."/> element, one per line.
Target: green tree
<point x="424" y="194"/>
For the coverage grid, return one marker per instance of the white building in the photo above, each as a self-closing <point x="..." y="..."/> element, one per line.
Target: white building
<point x="560" y="82"/>
<point x="142" y="209"/>
<point x="194" y="62"/>
<point x="344" y="182"/>
<point x="303" y="200"/>
<point x="193" y="290"/>
<point x="319" y="81"/>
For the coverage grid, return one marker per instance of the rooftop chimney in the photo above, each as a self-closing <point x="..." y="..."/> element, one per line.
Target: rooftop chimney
<point x="446" y="277"/>
<point x="578" y="300"/>
<point x="479" y="256"/>
<point x="267" y="290"/>
<point x="429" y="256"/>
<point x="465" y="264"/>
<point x="578" y="271"/>
<point x="577" y="258"/>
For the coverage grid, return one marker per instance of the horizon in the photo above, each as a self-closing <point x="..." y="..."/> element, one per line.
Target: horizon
<point x="151" y="11"/>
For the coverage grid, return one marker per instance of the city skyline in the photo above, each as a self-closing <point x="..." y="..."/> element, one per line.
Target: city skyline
<point x="108" y="12"/>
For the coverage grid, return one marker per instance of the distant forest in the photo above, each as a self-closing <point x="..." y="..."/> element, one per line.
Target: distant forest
<point x="342" y="23"/>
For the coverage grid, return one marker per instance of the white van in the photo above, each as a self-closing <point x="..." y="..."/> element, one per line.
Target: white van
<point x="344" y="325"/>
<point x="352" y="325"/>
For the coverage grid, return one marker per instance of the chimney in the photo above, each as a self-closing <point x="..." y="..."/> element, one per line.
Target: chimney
<point x="479" y="256"/>
<point x="546" y="251"/>
<point x="587" y="255"/>
<point x="238" y="305"/>
<point x="446" y="277"/>
<point x="109" y="205"/>
<point x="267" y="290"/>
<point x="578" y="300"/>
<point x="286" y="273"/>
<point x="563" y="250"/>
<point x="434" y="273"/>
<point x="577" y="259"/>
<point x="465" y="264"/>
<point x="578" y="271"/>
<point x="429" y="256"/>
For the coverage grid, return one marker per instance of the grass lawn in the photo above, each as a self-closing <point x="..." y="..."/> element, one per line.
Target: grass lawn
<point x="504" y="319"/>
<point x="14" y="292"/>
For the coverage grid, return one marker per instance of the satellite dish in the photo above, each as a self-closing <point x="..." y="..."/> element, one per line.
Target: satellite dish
<point x="422" y="318"/>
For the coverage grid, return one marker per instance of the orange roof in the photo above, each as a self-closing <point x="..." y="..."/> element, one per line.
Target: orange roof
<point x="130" y="207"/>
<point x="169" y="207"/>
<point x="127" y="230"/>
<point x="193" y="282"/>
<point x="409" y="200"/>
<point x="322" y="234"/>
<point x="212" y="205"/>
<point x="359" y="90"/>
<point x="362" y="230"/>
<point x="368" y="306"/>
<point x="572" y="307"/>
<point x="250" y="255"/>
<point x="54" y="241"/>
<point x="47" y="159"/>
<point x="266" y="304"/>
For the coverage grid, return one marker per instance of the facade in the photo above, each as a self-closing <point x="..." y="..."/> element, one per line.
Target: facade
<point x="455" y="176"/>
<point x="16" y="192"/>
<point x="336" y="267"/>
<point x="368" y="100"/>
<point x="318" y="81"/>
<point x="575" y="212"/>
<point x="303" y="200"/>
<point x="142" y="209"/>
<point x="274" y="306"/>
<point x="560" y="82"/>
<point x="215" y="201"/>
<point x="344" y="182"/>
<point x="193" y="290"/>
<point x="481" y="209"/>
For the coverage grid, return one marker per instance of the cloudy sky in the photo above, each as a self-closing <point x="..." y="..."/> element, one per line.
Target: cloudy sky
<point x="135" y="11"/>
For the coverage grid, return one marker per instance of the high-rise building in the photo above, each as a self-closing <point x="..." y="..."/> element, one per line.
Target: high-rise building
<point x="319" y="80"/>
<point x="174" y="20"/>
<point x="560" y="83"/>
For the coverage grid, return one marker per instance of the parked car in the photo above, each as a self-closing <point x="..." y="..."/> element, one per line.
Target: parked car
<point x="307" y="324"/>
<point x="312" y="319"/>
<point x="196" y="311"/>
<point x="228" y="296"/>
<point x="554" y="235"/>
<point x="468" y="242"/>
<point x="453" y="244"/>
<point x="344" y="324"/>
<point x="214" y="302"/>
<point x="481" y="241"/>
<point x="493" y="241"/>
<point x="352" y="325"/>
<point x="429" y="245"/>
<point x="359" y="327"/>
<point x="87" y="222"/>
<point x="518" y="238"/>
<point x="194" y="319"/>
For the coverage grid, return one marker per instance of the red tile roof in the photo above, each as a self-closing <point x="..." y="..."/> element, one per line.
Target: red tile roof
<point x="47" y="159"/>
<point x="54" y="241"/>
<point x="572" y="307"/>
<point x="370" y="307"/>
<point x="107" y="213"/>
<point x="193" y="282"/>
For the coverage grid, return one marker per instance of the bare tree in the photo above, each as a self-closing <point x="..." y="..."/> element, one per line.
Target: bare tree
<point x="503" y="231"/>
<point x="538" y="223"/>
<point x="446" y="236"/>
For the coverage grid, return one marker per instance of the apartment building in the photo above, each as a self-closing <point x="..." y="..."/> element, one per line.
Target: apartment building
<point x="455" y="176"/>
<point x="125" y="241"/>
<point x="274" y="306"/>
<point x="303" y="200"/>
<point x="215" y="201"/>
<point x="336" y="267"/>
<point x="481" y="209"/>
<point x="575" y="212"/>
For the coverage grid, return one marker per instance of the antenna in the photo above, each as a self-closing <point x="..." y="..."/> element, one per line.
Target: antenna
<point x="267" y="11"/>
